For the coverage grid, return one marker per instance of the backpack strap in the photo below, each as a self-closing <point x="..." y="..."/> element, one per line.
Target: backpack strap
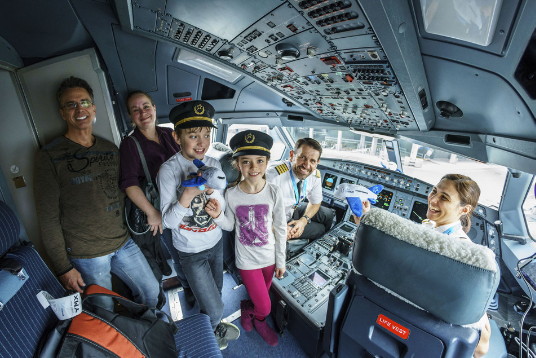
<point x="137" y="308"/>
<point x="96" y="289"/>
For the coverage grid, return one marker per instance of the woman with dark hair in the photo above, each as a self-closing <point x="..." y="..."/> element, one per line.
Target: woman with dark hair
<point x="157" y="145"/>
<point x="450" y="206"/>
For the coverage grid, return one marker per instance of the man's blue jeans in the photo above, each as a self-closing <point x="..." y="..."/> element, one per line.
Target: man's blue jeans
<point x="129" y="264"/>
<point x="204" y="271"/>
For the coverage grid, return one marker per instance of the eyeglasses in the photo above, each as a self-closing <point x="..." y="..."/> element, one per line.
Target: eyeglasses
<point x="85" y="103"/>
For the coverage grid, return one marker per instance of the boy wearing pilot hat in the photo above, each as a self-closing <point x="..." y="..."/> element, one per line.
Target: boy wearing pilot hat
<point x="196" y="237"/>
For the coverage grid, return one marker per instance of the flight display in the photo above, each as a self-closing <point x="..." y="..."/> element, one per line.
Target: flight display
<point x="418" y="211"/>
<point x="384" y="199"/>
<point x="349" y="181"/>
<point x="319" y="279"/>
<point x="329" y="181"/>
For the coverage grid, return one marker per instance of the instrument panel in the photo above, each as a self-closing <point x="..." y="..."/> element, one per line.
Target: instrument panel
<point x="325" y="262"/>
<point x="402" y="195"/>
<point x="312" y="274"/>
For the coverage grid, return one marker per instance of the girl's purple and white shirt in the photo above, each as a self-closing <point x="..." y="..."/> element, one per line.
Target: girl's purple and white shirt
<point x="260" y="226"/>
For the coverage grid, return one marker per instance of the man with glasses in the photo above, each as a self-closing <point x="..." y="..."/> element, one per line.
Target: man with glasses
<point x="80" y="206"/>
<point x="298" y="180"/>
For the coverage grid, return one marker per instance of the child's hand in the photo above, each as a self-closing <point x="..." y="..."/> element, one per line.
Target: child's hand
<point x="279" y="272"/>
<point x="213" y="208"/>
<point x="188" y="193"/>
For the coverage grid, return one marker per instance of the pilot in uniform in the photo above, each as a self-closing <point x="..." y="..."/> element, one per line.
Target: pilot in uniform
<point x="294" y="193"/>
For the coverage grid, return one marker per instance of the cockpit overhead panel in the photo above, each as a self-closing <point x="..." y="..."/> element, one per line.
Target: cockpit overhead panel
<point x="324" y="55"/>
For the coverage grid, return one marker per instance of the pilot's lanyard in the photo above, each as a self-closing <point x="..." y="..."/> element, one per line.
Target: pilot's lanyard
<point x="298" y="197"/>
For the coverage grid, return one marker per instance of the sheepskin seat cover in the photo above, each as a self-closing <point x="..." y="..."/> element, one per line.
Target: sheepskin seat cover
<point x="451" y="278"/>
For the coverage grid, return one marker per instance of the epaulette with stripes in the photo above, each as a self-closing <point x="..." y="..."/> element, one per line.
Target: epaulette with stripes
<point x="281" y="168"/>
<point x="318" y="175"/>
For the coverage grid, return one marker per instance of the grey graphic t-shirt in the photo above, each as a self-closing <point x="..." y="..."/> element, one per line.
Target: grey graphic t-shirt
<point x="78" y="201"/>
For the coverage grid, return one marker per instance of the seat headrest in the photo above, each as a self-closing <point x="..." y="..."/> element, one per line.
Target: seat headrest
<point x="9" y="228"/>
<point x="225" y="156"/>
<point x="451" y="278"/>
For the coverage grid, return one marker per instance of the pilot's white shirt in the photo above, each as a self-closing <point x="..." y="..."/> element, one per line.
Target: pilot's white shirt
<point x="284" y="182"/>
<point x="455" y="228"/>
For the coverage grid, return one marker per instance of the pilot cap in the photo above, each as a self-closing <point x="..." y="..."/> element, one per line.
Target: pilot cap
<point x="251" y="142"/>
<point x="192" y="114"/>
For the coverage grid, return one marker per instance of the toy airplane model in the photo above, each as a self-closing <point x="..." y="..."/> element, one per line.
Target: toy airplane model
<point x="210" y="176"/>
<point x="355" y="195"/>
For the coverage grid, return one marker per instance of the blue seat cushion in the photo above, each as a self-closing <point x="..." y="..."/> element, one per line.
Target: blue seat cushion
<point x="23" y="320"/>
<point x="9" y="228"/>
<point x="195" y="338"/>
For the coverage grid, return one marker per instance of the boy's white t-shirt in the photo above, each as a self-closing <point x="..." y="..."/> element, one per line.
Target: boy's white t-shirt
<point x="193" y="229"/>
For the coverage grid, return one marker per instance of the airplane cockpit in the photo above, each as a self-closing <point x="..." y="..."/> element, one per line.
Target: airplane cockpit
<point x="397" y="93"/>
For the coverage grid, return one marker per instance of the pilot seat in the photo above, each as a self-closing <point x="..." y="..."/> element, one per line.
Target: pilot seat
<point x="413" y="292"/>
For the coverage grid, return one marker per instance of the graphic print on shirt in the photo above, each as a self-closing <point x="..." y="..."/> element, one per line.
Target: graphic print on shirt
<point x="253" y="224"/>
<point x="200" y="221"/>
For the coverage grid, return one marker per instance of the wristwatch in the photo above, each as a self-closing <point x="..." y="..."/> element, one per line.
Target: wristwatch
<point x="307" y="218"/>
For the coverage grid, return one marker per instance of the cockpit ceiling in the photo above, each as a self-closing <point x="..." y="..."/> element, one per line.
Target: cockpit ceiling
<point x="323" y="55"/>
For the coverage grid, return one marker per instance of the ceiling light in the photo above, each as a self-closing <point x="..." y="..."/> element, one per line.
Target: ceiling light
<point x="226" y="54"/>
<point x="207" y="65"/>
<point x="464" y="20"/>
<point x="448" y="109"/>
<point x="287" y="52"/>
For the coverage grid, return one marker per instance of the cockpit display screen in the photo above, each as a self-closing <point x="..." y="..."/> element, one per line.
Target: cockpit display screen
<point x="349" y="181"/>
<point x="319" y="279"/>
<point x="347" y="228"/>
<point x="529" y="271"/>
<point x="418" y="211"/>
<point x="384" y="199"/>
<point x="329" y="181"/>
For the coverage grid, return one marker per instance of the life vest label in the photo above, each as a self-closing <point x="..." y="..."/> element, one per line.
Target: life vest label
<point x="393" y="327"/>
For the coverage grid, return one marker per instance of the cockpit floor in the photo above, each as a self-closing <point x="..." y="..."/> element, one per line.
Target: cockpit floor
<point x="250" y="344"/>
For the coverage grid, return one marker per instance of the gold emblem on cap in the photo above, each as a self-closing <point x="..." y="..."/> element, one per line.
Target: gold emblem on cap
<point x="199" y="109"/>
<point x="250" y="138"/>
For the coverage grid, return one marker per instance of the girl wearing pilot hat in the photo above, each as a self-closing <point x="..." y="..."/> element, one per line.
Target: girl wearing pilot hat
<point x="255" y="210"/>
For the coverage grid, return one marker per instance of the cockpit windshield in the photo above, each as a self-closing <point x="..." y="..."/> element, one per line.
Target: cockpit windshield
<point x="419" y="161"/>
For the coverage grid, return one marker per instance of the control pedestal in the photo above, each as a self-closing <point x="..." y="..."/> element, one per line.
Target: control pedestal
<point x="303" y="292"/>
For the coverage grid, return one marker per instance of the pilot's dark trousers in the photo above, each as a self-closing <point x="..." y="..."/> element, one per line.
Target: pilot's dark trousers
<point x="320" y="223"/>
